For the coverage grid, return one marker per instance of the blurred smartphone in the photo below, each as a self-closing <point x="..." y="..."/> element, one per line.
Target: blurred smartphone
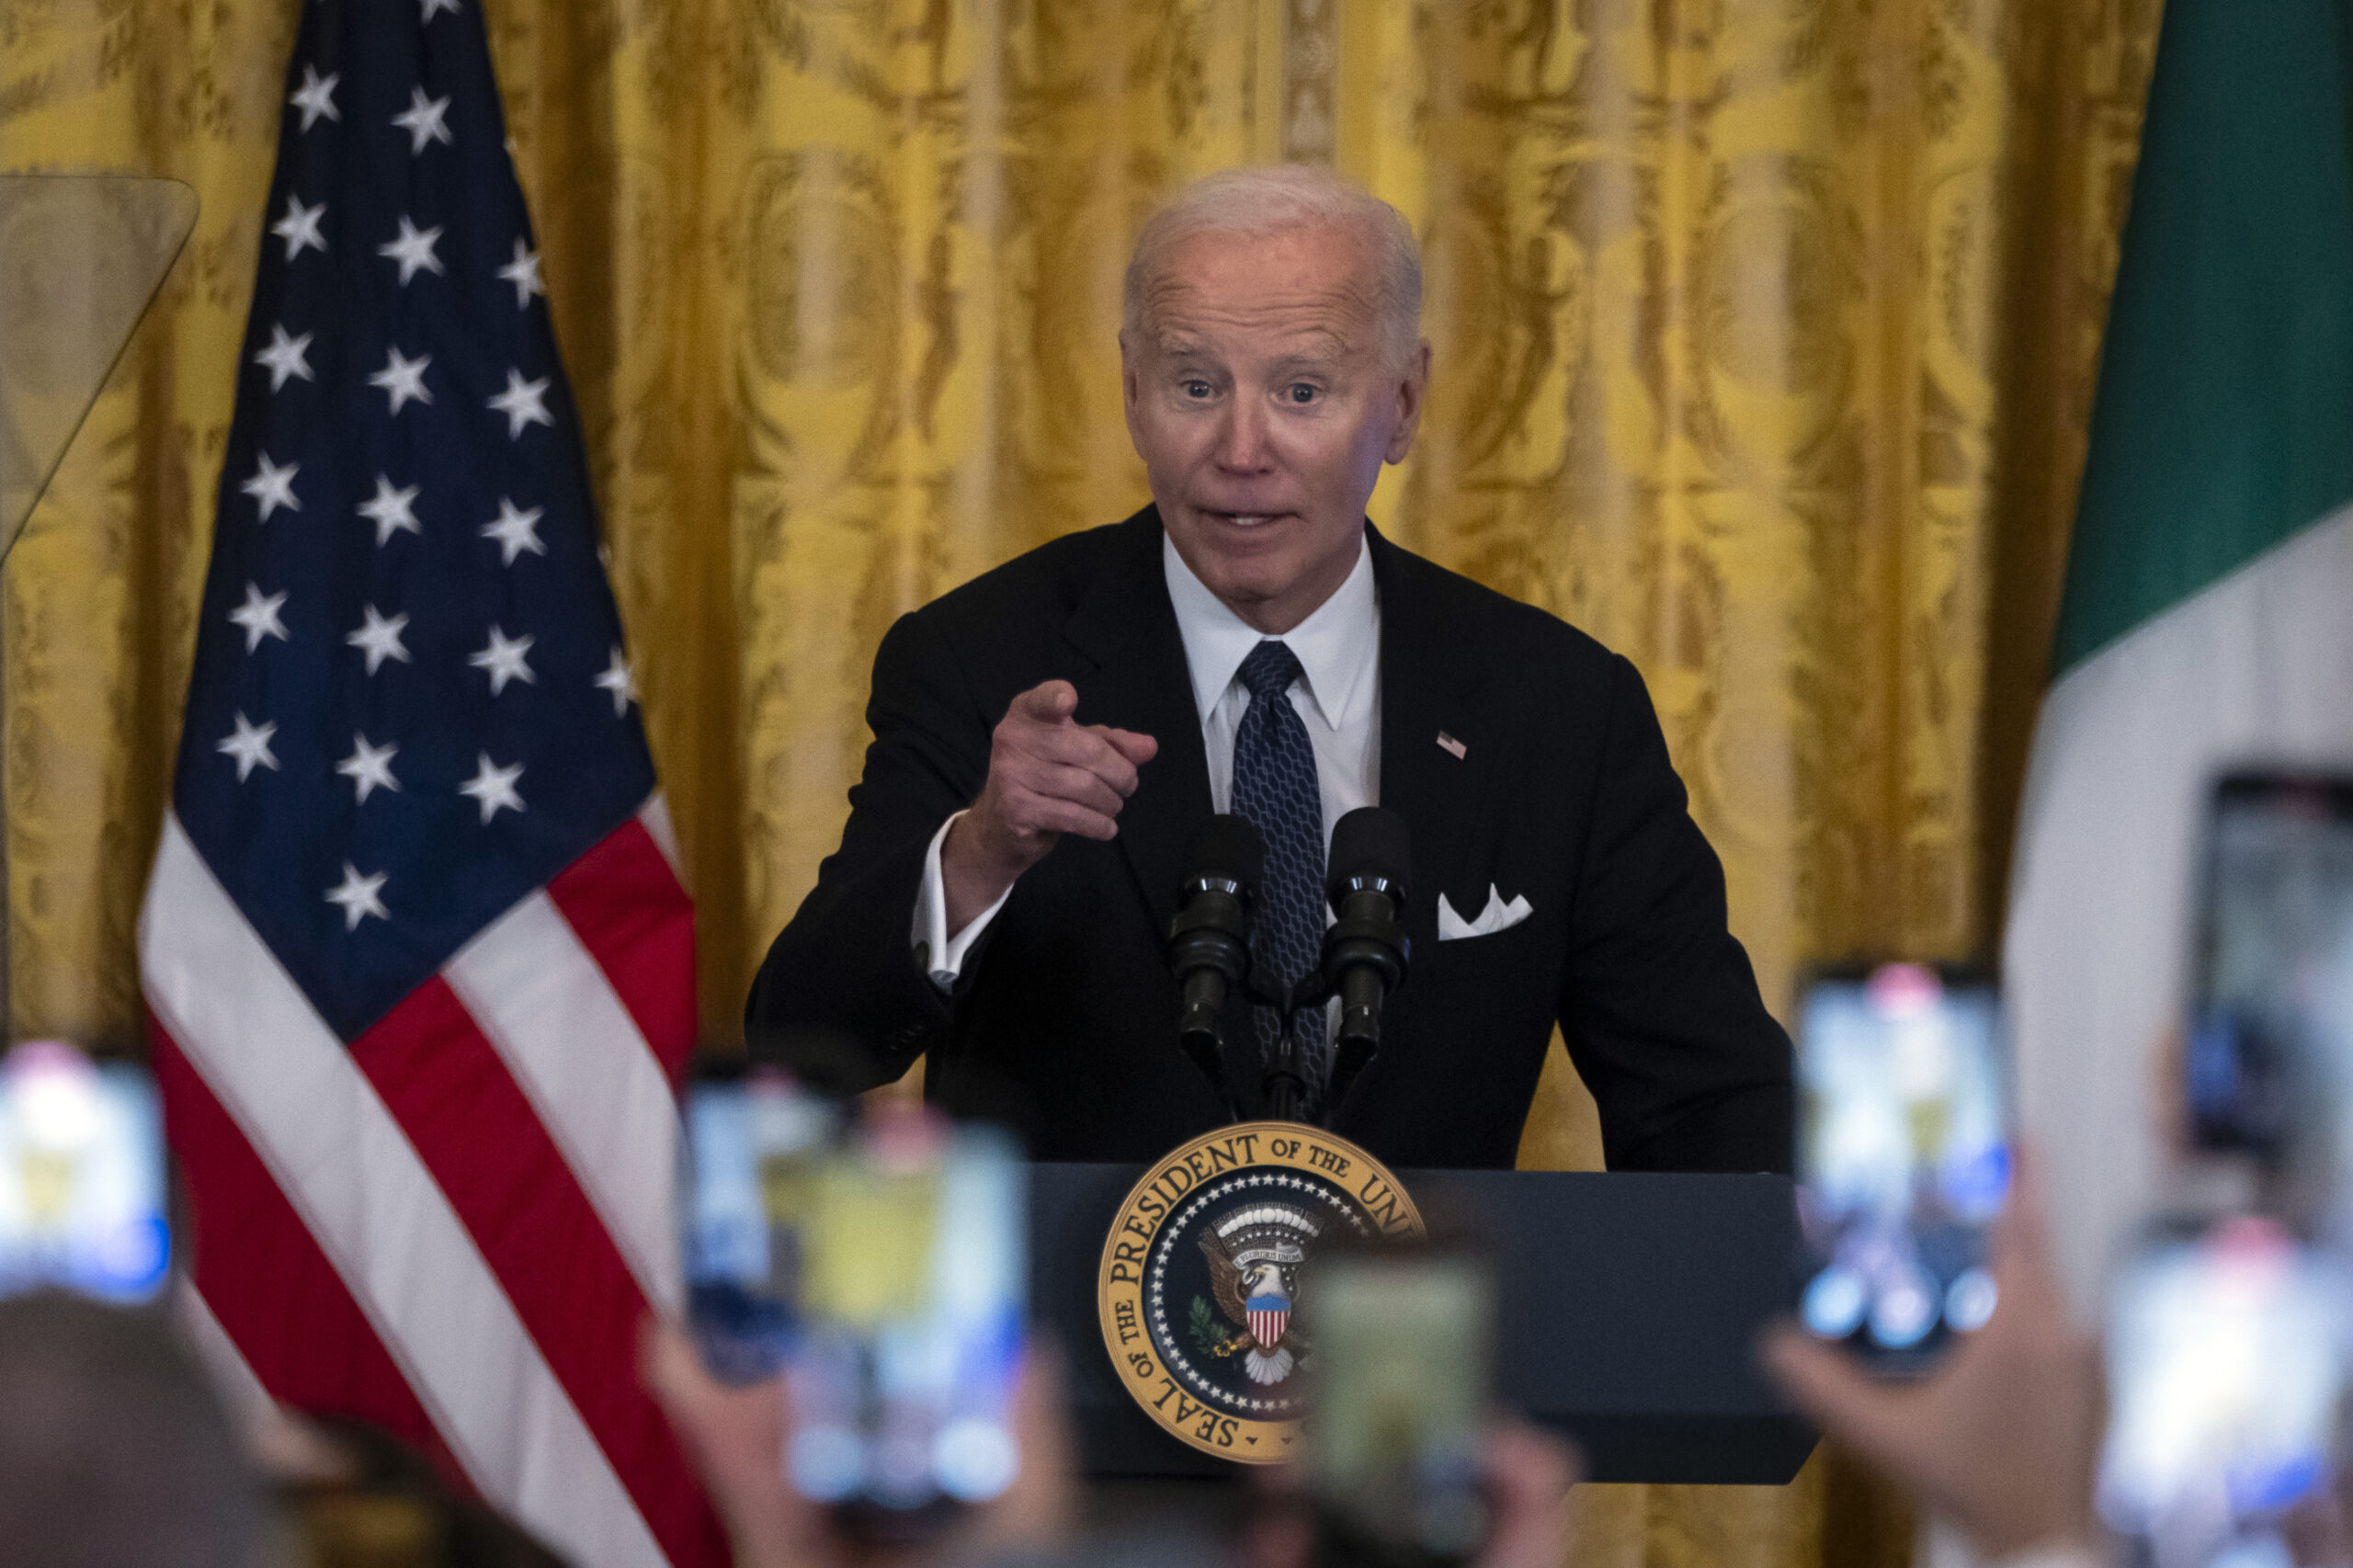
<point x="83" y="1201"/>
<point x="914" y="1296"/>
<point x="2225" y="1369"/>
<point x="2271" y="1003"/>
<point x="1403" y="1353"/>
<point x="754" y="1147"/>
<point x="881" y="1265"/>
<point x="1904" y="1160"/>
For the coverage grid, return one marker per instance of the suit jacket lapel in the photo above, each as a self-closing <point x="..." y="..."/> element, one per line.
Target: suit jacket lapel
<point x="1126" y="628"/>
<point x="1430" y="675"/>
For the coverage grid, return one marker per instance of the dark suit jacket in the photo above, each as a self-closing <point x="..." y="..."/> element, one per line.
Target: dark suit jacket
<point x="1063" y="1021"/>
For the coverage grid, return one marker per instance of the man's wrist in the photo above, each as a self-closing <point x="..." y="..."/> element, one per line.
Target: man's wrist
<point x="975" y="876"/>
<point x="940" y="951"/>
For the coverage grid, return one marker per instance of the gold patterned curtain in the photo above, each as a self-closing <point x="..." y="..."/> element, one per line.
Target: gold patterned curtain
<point x="1764" y="331"/>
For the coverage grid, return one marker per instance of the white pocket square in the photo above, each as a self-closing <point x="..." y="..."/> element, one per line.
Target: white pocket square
<point x="1497" y="916"/>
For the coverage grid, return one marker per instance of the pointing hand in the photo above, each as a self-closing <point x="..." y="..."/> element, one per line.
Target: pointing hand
<point x="1049" y="774"/>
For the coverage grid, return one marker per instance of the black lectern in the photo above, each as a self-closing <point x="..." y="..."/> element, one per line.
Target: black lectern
<point x="1631" y="1307"/>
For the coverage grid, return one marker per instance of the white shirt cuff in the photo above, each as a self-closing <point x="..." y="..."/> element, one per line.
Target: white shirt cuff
<point x="930" y="934"/>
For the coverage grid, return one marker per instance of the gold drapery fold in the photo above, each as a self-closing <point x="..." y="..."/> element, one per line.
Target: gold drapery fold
<point x="1764" y="333"/>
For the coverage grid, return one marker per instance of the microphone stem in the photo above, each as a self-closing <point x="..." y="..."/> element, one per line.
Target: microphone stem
<point x="1284" y="1086"/>
<point x="1283" y="1102"/>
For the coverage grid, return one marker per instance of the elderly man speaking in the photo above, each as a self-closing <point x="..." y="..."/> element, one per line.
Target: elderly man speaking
<point x="1051" y="740"/>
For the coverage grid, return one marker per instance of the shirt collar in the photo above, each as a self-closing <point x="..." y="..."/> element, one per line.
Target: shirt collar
<point x="1336" y="646"/>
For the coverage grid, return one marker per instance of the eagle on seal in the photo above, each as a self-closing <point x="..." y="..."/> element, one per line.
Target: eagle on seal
<point x="1254" y="1256"/>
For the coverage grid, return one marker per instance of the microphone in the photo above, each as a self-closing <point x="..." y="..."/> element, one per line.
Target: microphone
<point x="1365" y="951"/>
<point x="1209" y="945"/>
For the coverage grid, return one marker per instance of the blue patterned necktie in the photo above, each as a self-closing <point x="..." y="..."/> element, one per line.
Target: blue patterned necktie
<point x="1274" y="786"/>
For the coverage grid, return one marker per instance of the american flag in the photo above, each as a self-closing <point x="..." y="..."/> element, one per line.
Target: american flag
<point x="417" y="961"/>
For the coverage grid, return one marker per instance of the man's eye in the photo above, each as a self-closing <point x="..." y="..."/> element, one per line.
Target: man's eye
<point x="1302" y="392"/>
<point x="1197" y="387"/>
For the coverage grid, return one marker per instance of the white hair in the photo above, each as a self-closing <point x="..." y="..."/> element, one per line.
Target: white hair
<point x="1274" y="198"/>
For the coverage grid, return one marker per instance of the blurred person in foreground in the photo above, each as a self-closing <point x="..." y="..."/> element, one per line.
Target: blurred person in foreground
<point x="736" y="1436"/>
<point x="115" y="1450"/>
<point x="2003" y="1439"/>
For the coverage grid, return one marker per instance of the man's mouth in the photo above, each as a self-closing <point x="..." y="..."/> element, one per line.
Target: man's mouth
<point x="1247" y="519"/>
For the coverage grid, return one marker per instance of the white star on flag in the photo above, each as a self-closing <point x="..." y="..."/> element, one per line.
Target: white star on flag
<point x="250" y="746"/>
<point x="379" y="639"/>
<point x="502" y="658"/>
<point x="423" y="120"/>
<point x="523" y="403"/>
<point x="433" y="6"/>
<point x="620" y="681"/>
<point x="258" y="616"/>
<point x="494" y="787"/>
<point x="524" y="273"/>
<point x="390" y="510"/>
<point x="404" y="379"/>
<point x="515" y="531"/>
<point x="356" y="894"/>
<point x="315" y="96"/>
<point x="300" y="227"/>
<point x="413" y="250"/>
<point x="273" y="486"/>
<point x="369" y="768"/>
<point x="285" y="357"/>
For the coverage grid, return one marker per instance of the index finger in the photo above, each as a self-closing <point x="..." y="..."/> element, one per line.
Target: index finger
<point x="1037" y="1510"/>
<point x="1528" y="1476"/>
<point x="1870" y="1417"/>
<point x="1137" y="749"/>
<point x="2021" y="1241"/>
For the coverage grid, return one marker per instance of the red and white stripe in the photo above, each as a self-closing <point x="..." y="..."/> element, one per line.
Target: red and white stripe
<point x="1267" y="1324"/>
<point x="455" y="1225"/>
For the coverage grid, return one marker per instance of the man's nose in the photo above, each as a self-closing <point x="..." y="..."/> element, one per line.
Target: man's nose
<point x="1242" y="447"/>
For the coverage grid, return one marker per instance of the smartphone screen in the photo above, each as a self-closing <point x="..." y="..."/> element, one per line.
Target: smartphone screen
<point x="83" y="1201"/>
<point x="1903" y="1160"/>
<point x="883" y="1268"/>
<point x="2271" y="1008"/>
<point x="2225" y="1364"/>
<point x="915" y="1295"/>
<point x="1404" y="1347"/>
<point x="755" y="1144"/>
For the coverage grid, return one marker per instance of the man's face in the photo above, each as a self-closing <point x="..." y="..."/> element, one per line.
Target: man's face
<point x="1262" y="402"/>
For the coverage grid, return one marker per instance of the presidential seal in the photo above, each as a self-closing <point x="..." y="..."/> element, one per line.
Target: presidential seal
<point x="1200" y="1277"/>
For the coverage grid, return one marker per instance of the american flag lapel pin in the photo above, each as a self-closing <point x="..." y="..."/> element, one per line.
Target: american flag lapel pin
<point x="1453" y="748"/>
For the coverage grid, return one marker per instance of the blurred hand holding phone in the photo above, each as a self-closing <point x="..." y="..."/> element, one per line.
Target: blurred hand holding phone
<point x="2001" y="1436"/>
<point x="83" y="1202"/>
<point x="2267" y="1049"/>
<point x="2228" y="1324"/>
<point x="1903" y="1160"/>
<point x="2226" y="1359"/>
<point x="881" y="1265"/>
<point x="1401" y="1342"/>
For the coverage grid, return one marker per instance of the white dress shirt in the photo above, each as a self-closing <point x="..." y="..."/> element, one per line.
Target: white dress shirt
<point x="1337" y="696"/>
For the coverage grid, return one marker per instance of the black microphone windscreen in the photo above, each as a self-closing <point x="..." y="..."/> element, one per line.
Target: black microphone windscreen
<point x="1371" y="841"/>
<point x="1231" y="848"/>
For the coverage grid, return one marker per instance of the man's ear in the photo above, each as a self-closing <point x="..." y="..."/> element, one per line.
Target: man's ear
<point x="1411" y="391"/>
<point x="1129" y="384"/>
